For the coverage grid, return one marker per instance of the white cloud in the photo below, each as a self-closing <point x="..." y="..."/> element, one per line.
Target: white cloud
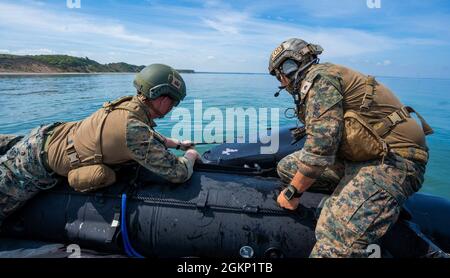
<point x="424" y="41"/>
<point x="219" y="26"/>
<point x="38" y="19"/>
<point x="186" y="37"/>
<point x="322" y="9"/>
<point x="384" y="63"/>
<point x="28" y="51"/>
<point x="226" y="21"/>
<point x="34" y="51"/>
<point x="337" y="42"/>
<point x="214" y="4"/>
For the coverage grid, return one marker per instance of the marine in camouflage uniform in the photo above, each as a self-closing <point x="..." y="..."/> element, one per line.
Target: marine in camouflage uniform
<point x="121" y="131"/>
<point x="368" y="199"/>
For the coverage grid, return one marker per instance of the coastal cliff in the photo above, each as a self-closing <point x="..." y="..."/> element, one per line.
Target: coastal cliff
<point x="62" y="64"/>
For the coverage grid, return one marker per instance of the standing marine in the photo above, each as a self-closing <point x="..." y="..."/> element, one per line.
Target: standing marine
<point x="85" y="151"/>
<point x="351" y="117"/>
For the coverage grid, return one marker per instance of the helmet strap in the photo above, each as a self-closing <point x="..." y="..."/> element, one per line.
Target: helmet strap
<point x="297" y="78"/>
<point x="296" y="81"/>
<point x="301" y="70"/>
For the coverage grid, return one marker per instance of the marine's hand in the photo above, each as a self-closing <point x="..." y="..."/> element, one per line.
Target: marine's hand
<point x="186" y="145"/>
<point x="192" y="154"/>
<point x="284" y="203"/>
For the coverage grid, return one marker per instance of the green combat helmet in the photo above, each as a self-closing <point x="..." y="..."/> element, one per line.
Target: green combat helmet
<point x="160" y="80"/>
<point x="295" y="49"/>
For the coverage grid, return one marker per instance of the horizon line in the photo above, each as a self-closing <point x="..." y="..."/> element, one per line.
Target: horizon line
<point x="197" y="72"/>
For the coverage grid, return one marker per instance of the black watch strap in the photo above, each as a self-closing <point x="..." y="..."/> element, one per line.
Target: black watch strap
<point x="298" y="194"/>
<point x="291" y="192"/>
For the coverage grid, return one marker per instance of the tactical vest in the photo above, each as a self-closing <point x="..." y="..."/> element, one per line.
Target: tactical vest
<point x="375" y="121"/>
<point x="88" y="172"/>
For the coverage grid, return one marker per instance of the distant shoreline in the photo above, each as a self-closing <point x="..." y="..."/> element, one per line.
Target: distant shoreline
<point x="3" y="74"/>
<point x="62" y="73"/>
<point x="63" y="65"/>
<point x="115" y="73"/>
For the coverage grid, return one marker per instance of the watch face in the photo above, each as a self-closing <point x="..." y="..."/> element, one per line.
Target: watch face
<point x="289" y="193"/>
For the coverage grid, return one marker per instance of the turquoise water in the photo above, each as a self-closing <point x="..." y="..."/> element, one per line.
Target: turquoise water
<point x="27" y="101"/>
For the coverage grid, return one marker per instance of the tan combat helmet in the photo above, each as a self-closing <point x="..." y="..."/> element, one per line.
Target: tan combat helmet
<point x="296" y="49"/>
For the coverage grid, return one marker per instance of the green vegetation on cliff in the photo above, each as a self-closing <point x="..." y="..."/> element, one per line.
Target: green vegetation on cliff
<point x="62" y="63"/>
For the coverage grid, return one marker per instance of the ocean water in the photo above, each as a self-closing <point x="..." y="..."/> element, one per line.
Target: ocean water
<point x="28" y="101"/>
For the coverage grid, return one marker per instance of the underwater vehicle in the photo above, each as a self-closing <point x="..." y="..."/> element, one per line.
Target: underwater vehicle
<point x="227" y="209"/>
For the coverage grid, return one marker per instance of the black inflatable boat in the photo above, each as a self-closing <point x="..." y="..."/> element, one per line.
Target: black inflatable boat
<point x="227" y="209"/>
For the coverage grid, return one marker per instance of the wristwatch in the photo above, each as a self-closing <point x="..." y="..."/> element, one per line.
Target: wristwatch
<point x="291" y="193"/>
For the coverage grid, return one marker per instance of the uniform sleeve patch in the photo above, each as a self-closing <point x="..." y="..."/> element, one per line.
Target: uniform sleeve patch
<point x="322" y="97"/>
<point x="306" y="85"/>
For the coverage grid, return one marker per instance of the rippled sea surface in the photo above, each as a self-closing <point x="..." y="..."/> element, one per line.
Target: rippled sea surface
<point x="28" y="101"/>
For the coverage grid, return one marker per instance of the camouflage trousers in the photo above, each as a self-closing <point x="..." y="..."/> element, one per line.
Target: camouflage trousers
<point x="22" y="174"/>
<point x="366" y="203"/>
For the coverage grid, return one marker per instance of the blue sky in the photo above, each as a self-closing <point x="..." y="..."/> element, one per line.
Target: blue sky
<point x="401" y="38"/>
